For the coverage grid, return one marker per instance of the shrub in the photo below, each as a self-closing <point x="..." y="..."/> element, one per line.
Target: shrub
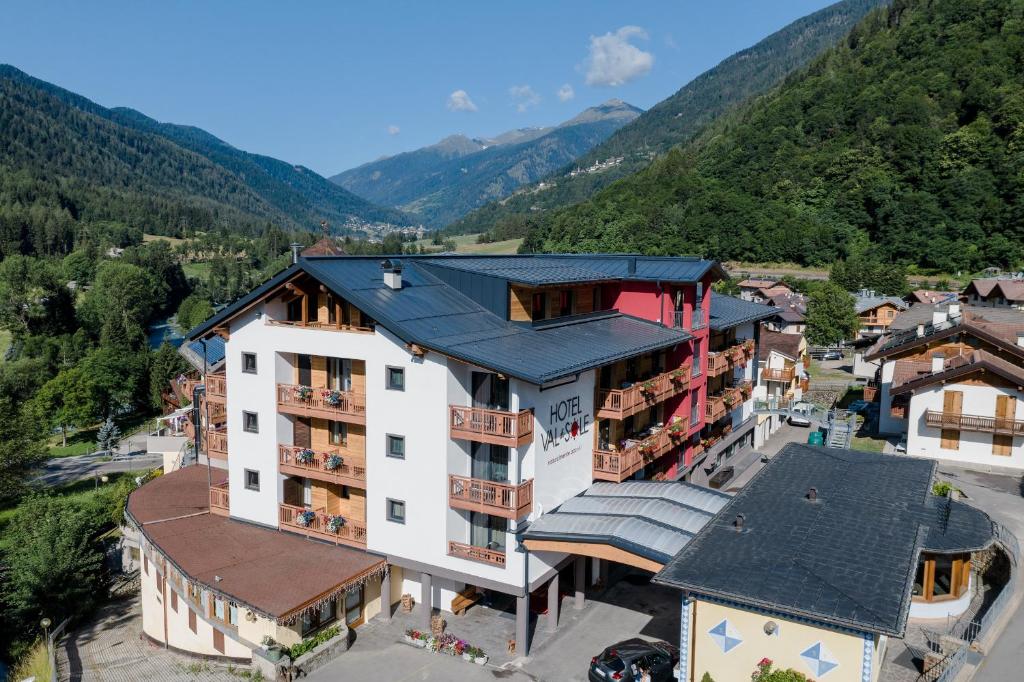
<point x="307" y="645"/>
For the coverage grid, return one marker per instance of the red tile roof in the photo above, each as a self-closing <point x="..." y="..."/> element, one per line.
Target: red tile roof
<point x="955" y="367"/>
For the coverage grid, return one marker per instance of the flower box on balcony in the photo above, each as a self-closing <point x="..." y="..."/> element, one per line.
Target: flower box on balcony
<point x="335" y="522"/>
<point x="305" y="456"/>
<point x="333" y="462"/>
<point x="303" y="392"/>
<point x="304" y="518"/>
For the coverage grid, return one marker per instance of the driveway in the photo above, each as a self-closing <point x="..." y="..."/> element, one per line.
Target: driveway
<point x="630" y="607"/>
<point x="61" y="470"/>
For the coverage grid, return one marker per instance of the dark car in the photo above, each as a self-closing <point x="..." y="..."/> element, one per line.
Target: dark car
<point x="627" y="660"/>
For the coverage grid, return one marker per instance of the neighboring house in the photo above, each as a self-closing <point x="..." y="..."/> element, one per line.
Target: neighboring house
<point x="876" y="313"/>
<point x="792" y="315"/>
<point x="781" y="371"/>
<point x="951" y="383"/>
<point x="761" y="290"/>
<point x="931" y="297"/>
<point x="995" y="293"/>
<point x="732" y="367"/>
<point x="820" y="560"/>
<point x="405" y="420"/>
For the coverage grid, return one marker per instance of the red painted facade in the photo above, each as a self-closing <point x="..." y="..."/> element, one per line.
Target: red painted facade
<point x="673" y="305"/>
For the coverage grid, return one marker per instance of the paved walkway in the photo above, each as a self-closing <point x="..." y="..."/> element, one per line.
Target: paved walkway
<point x="111" y="648"/>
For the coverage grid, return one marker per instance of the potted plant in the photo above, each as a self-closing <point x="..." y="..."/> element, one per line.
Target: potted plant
<point x="302" y="392"/>
<point x="335" y="522"/>
<point x="647" y="387"/>
<point x="304" y="518"/>
<point x="411" y="635"/>
<point x="479" y="657"/>
<point x="333" y="462"/>
<point x="304" y="456"/>
<point x="677" y="375"/>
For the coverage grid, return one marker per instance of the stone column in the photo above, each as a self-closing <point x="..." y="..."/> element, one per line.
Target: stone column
<point x="552" y="624"/>
<point x="385" y="596"/>
<point x="580" y="577"/>
<point x="523" y="625"/>
<point x="426" y="598"/>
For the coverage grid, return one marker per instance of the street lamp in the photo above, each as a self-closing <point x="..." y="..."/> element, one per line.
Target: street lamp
<point x="46" y="622"/>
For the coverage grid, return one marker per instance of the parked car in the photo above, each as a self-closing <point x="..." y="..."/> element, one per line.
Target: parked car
<point x="798" y="420"/>
<point x="626" y="660"/>
<point x="832" y="355"/>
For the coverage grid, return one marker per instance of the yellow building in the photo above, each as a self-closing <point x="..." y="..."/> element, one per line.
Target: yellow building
<point x="813" y="565"/>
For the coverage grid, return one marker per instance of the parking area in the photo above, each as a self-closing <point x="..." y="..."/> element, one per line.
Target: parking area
<point x="631" y="606"/>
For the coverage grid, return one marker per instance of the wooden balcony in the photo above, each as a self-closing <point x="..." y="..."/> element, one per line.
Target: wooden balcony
<point x="973" y="422"/>
<point x="622" y="403"/>
<point x="714" y="408"/>
<point x="350" y="472"/>
<point x="870" y="393"/>
<point x="506" y="500"/>
<point x="315" y="324"/>
<point x="217" y="442"/>
<point x="216" y="387"/>
<point x="786" y="374"/>
<point x="718" y="363"/>
<point x="305" y="401"/>
<point x="216" y="412"/>
<point x="219" y="499"/>
<point x="618" y="465"/>
<point x="496" y="427"/>
<point x="473" y="553"/>
<point x="352" y="533"/>
<point x="898" y="411"/>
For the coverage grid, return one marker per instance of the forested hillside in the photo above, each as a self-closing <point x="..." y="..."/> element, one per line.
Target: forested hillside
<point x="906" y="140"/>
<point x="441" y="183"/>
<point x="678" y="118"/>
<point x="66" y="162"/>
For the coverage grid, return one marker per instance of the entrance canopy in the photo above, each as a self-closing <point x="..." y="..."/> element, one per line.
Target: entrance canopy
<point x="638" y="523"/>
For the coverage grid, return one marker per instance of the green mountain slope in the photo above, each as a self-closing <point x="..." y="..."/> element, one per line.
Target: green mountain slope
<point x="678" y="118"/>
<point x="443" y="182"/>
<point x="61" y="151"/>
<point x="906" y="139"/>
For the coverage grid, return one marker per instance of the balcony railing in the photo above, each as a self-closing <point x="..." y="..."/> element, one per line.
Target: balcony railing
<point x="718" y="363"/>
<point x="306" y="401"/>
<point x="474" y="553"/>
<point x="351" y="532"/>
<point x="621" y="403"/>
<point x="219" y="499"/>
<point x="618" y="465"/>
<point x="497" y="427"/>
<point x="216" y="386"/>
<point x="315" y="324"/>
<point x="216" y="412"/>
<point x="217" y="442"/>
<point x="506" y="500"/>
<point x="972" y="422"/>
<point x="898" y="411"/>
<point x="785" y="374"/>
<point x="320" y="465"/>
<point x="718" y="406"/>
<point x="697" y="319"/>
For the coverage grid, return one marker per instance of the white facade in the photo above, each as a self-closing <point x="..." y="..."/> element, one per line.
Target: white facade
<point x="974" y="447"/>
<point x="559" y="458"/>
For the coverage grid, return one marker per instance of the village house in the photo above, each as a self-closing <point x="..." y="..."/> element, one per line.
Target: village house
<point x="875" y="313"/>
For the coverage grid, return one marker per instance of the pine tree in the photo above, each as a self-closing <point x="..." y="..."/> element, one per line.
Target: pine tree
<point x="109" y="436"/>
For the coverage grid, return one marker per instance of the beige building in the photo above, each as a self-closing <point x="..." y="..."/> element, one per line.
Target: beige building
<point x="799" y="567"/>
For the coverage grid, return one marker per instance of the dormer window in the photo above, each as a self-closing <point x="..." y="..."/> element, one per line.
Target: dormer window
<point x="565" y="301"/>
<point x="538" y="307"/>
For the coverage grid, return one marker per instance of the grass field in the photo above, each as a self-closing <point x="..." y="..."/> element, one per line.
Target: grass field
<point x="197" y="270"/>
<point x="466" y="243"/>
<point x="83" y="441"/>
<point x="174" y="241"/>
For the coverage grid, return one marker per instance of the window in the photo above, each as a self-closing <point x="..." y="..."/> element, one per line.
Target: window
<point x="565" y="302"/>
<point x="192" y="625"/>
<point x="696" y="358"/>
<point x="596" y="296"/>
<point x="174" y="601"/>
<point x="395" y="378"/>
<point x="396" y="510"/>
<point x="317" y="618"/>
<point x="232" y="614"/>
<point x="538" y="307"/>
<point x="218" y="609"/>
<point x="252" y="480"/>
<point x="338" y="433"/>
<point x="218" y="641"/>
<point x="249" y="363"/>
<point x="251" y="422"/>
<point x="396" y="446"/>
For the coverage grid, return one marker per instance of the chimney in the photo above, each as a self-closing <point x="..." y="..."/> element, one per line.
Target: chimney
<point x="939" y="316"/>
<point x="738" y="523"/>
<point x="812" y="494"/>
<point x="920" y="330"/>
<point x="392" y="273"/>
<point x="954" y="310"/>
<point x="1020" y="339"/>
<point x="938" y="362"/>
<point x="295" y="251"/>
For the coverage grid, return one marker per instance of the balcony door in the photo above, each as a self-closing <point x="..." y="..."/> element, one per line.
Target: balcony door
<point x="490" y="391"/>
<point x="302" y="433"/>
<point x="339" y="374"/>
<point x="487" y="531"/>
<point x="490" y="462"/>
<point x="1006" y="410"/>
<point x="305" y="363"/>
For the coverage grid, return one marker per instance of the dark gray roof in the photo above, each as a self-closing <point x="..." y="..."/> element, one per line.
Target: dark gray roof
<point x="541" y="269"/>
<point x="863" y="303"/>
<point x="849" y="558"/>
<point x="728" y="311"/>
<point x="652" y="519"/>
<point x="428" y="312"/>
<point x="214" y="353"/>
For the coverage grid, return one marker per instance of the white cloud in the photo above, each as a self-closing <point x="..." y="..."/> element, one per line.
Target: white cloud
<point x="614" y="60"/>
<point x="524" y="97"/>
<point x="460" y="101"/>
<point x="394" y="130"/>
<point x="566" y="93"/>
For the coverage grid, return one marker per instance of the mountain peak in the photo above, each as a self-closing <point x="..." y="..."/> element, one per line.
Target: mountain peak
<point x="613" y="109"/>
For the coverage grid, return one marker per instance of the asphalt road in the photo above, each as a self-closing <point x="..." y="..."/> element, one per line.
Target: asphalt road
<point x="130" y="456"/>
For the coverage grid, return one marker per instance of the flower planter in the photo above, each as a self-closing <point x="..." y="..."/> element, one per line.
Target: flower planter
<point x="420" y="643"/>
<point x="467" y="657"/>
<point x="480" y="660"/>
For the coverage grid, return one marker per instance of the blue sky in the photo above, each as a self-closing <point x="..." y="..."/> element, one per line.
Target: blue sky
<point x="334" y="84"/>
